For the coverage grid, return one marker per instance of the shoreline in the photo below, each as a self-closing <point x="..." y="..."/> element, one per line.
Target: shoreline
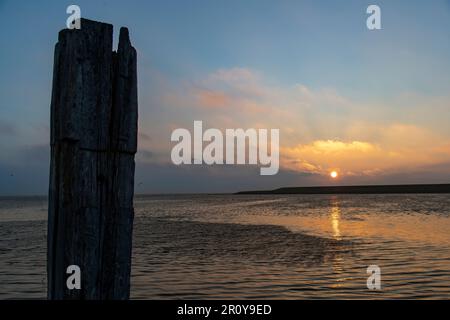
<point x="361" y="189"/>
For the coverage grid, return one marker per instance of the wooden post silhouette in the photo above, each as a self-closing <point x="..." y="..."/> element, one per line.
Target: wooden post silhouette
<point x="93" y="143"/>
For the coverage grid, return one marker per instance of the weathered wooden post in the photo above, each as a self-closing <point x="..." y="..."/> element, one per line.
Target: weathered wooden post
<point x="93" y="143"/>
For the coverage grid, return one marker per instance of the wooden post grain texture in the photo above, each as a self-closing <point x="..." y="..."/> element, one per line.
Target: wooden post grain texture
<point x="94" y="113"/>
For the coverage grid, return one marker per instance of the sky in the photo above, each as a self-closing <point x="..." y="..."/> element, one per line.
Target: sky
<point x="374" y="105"/>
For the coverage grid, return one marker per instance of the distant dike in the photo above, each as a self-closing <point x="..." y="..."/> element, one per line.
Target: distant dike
<point x="370" y="189"/>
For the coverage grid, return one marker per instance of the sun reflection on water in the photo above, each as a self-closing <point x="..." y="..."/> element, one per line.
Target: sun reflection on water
<point x="335" y="218"/>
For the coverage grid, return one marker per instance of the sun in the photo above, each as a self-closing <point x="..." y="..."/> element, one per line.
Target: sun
<point x="333" y="174"/>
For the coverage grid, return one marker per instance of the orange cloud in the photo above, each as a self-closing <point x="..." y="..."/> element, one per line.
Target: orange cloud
<point x="213" y="99"/>
<point x="322" y="156"/>
<point x="320" y="129"/>
<point x="399" y="148"/>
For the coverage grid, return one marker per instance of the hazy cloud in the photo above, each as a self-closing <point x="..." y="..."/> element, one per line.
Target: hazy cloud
<point x="321" y="129"/>
<point x="7" y="129"/>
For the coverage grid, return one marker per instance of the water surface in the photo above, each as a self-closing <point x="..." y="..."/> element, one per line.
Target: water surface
<point x="257" y="246"/>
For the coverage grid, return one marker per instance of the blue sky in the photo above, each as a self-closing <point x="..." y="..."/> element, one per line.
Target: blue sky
<point x="314" y="60"/>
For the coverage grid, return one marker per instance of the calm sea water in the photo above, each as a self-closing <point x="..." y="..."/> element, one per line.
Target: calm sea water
<point x="281" y="247"/>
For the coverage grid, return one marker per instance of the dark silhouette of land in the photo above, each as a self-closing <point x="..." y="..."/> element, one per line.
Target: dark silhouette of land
<point x="370" y="189"/>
